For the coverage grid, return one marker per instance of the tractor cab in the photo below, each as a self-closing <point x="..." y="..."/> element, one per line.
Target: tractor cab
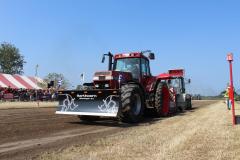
<point x="135" y="63"/>
<point x="124" y="68"/>
<point x="175" y="79"/>
<point x="131" y="65"/>
<point x="176" y="82"/>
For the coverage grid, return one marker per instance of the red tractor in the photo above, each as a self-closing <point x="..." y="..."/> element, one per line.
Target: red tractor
<point x="125" y="91"/>
<point x="176" y="83"/>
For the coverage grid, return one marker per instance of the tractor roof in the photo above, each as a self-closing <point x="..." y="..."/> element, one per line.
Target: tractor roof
<point x="174" y="73"/>
<point x="130" y="55"/>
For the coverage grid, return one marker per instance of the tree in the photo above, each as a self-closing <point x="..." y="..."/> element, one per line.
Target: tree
<point x="79" y="87"/>
<point x="55" y="77"/>
<point x="11" y="61"/>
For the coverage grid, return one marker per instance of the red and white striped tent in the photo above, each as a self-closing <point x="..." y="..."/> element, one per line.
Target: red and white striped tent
<point x="19" y="81"/>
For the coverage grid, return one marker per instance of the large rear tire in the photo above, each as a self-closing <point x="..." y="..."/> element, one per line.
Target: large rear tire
<point x="162" y="100"/>
<point x="132" y="103"/>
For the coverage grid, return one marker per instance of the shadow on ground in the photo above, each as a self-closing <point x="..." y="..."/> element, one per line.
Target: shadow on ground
<point x="147" y="120"/>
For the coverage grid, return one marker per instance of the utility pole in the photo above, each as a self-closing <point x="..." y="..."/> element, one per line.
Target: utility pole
<point x="36" y="70"/>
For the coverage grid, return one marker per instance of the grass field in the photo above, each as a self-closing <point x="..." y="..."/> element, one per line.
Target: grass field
<point x="203" y="133"/>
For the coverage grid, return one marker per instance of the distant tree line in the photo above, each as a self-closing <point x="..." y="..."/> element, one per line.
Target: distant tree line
<point x="217" y="97"/>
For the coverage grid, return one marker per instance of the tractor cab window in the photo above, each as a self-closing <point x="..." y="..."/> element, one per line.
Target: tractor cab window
<point x="145" y="67"/>
<point x="177" y="85"/>
<point x="131" y="65"/>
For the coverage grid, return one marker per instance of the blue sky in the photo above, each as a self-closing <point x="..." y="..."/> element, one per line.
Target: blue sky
<point x="70" y="36"/>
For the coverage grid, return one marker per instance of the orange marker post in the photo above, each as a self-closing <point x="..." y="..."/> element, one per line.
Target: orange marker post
<point x="231" y="93"/>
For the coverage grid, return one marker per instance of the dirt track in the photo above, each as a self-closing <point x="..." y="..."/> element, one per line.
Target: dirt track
<point x="26" y="133"/>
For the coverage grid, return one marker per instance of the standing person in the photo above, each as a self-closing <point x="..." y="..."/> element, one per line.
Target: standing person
<point x="226" y="95"/>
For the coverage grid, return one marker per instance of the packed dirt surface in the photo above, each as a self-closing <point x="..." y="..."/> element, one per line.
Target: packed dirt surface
<point x="17" y="105"/>
<point x="202" y="133"/>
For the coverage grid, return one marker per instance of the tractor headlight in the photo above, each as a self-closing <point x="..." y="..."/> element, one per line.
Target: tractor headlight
<point x="106" y="85"/>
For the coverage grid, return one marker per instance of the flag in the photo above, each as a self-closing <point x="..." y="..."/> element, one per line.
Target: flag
<point x="60" y="83"/>
<point x="82" y="77"/>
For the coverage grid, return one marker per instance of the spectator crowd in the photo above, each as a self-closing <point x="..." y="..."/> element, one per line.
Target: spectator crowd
<point x="10" y="94"/>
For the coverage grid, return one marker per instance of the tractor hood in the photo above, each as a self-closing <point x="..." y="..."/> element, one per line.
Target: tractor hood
<point x="112" y="75"/>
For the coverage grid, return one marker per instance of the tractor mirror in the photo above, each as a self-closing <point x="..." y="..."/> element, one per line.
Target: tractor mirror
<point x="103" y="59"/>
<point x="151" y="56"/>
<point x="189" y="80"/>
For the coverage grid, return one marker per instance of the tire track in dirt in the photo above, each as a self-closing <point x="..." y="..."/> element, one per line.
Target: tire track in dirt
<point x="7" y="147"/>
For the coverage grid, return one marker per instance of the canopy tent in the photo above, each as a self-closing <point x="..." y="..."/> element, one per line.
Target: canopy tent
<point x="19" y="81"/>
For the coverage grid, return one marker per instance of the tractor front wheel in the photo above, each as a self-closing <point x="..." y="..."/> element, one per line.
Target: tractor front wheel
<point x="132" y="103"/>
<point x="188" y="102"/>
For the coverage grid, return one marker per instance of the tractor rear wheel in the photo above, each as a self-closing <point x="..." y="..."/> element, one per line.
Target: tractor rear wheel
<point x="132" y="103"/>
<point x="162" y="100"/>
